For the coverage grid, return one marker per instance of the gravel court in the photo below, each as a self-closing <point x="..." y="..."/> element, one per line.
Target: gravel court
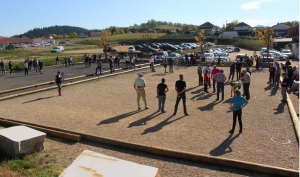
<point x="108" y="108"/>
<point x="168" y="167"/>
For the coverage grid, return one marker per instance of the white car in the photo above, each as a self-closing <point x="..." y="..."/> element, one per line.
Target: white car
<point x="34" y="45"/>
<point x="209" y="57"/>
<point x="287" y="52"/>
<point x="185" y="47"/>
<point x="46" y="44"/>
<point x="222" y="56"/>
<point x="280" y="56"/>
<point x="131" y="49"/>
<point x="238" y="57"/>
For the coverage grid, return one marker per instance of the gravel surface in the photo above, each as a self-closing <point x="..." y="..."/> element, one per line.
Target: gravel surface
<point x="17" y="79"/>
<point x="108" y="108"/>
<point x="66" y="153"/>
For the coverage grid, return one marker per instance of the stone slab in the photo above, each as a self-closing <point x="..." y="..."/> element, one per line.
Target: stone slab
<point x="92" y="164"/>
<point x="21" y="140"/>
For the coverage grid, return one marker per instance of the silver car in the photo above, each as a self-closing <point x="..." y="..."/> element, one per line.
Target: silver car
<point x="223" y="56"/>
<point x="280" y="56"/>
<point x="209" y="56"/>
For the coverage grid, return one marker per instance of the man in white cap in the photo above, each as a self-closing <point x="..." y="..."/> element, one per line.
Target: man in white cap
<point x="139" y="86"/>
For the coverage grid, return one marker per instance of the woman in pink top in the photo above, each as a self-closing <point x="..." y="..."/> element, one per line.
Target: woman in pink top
<point x="213" y="72"/>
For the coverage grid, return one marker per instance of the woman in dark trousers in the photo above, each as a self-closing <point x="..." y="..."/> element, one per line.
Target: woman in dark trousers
<point x="10" y="67"/>
<point x="58" y="82"/>
<point x="236" y="104"/>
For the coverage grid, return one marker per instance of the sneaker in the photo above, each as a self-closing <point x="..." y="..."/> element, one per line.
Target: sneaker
<point x="217" y="99"/>
<point x="139" y="108"/>
<point x="174" y="114"/>
<point x="60" y="94"/>
<point x="241" y="131"/>
<point x="186" y="114"/>
<point x="146" y="107"/>
<point x="163" y="111"/>
<point x="158" y="110"/>
<point x="231" y="131"/>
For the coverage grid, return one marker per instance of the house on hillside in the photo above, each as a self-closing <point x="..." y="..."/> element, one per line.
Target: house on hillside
<point x="15" y="41"/>
<point x="43" y="40"/>
<point x="83" y="35"/>
<point x="281" y="29"/>
<point x="96" y="34"/>
<point x="243" y="29"/>
<point x="208" y="28"/>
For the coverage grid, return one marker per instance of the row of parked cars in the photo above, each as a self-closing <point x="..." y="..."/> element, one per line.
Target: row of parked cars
<point x="155" y="47"/>
<point x="275" y="54"/>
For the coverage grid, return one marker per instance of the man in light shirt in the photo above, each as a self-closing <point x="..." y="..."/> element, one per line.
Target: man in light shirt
<point x="139" y="86"/>
<point x="246" y="79"/>
<point x="220" y="79"/>
<point x="152" y="63"/>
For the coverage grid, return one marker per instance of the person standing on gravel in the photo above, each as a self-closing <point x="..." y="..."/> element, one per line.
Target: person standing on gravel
<point x="199" y="69"/>
<point x="152" y="63"/>
<point x="139" y="86"/>
<point x="171" y="62"/>
<point x="220" y="79"/>
<point x="213" y="72"/>
<point x="57" y="80"/>
<point x="162" y="89"/>
<point x="246" y="79"/>
<point x="111" y="66"/>
<point x="57" y="60"/>
<point x="99" y="66"/>
<point x="238" y="67"/>
<point x="10" y="67"/>
<point x="209" y="72"/>
<point x="284" y="86"/>
<point x="236" y="104"/>
<point x="2" y="67"/>
<point x="41" y="65"/>
<point x="26" y="68"/>
<point x="180" y="87"/>
<point x="231" y="73"/>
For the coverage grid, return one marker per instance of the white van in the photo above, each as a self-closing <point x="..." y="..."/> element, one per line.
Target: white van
<point x="57" y="49"/>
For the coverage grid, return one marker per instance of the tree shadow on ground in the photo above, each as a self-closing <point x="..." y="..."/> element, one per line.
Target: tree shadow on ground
<point x="39" y="99"/>
<point x="119" y="117"/>
<point x="274" y="91"/>
<point x="209" y="106"/>
<point x="224" y="147"/>
<point x="144" y="120"/>
<point x="160" y="125"/>
<point x="280" y="108"/>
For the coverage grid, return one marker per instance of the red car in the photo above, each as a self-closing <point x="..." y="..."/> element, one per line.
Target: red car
<point x="110" y="49"/>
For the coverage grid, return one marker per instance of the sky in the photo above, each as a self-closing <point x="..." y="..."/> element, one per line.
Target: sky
<point x="20" y="16"/>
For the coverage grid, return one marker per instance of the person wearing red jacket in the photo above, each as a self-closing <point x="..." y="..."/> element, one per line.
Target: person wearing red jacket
<point x="206" y="81"/>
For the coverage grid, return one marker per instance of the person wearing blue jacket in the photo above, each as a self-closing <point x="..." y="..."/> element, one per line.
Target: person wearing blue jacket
<point x="236" y="104"/>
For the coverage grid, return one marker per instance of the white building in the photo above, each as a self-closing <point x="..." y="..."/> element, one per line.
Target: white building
<point x="230" y="34"/>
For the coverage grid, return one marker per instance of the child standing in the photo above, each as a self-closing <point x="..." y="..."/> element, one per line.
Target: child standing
<point x="284" y="87"/>
<point x="272" y="74"/>
<point x="277" y="75"/>
<point x="206" y="81"/>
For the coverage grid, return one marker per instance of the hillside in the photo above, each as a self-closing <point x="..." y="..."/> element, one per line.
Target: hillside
<point x="59" y="30"/>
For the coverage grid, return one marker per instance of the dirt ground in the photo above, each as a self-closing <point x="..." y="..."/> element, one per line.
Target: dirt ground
<point x="108" y="108"/>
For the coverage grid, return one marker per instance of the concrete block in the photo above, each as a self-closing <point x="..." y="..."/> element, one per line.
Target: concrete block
<point x="92" y="164"/>
<point x="21" y="140"/>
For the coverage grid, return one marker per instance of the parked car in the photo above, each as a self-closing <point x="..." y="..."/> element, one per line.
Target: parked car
<point x="46" y="44"/>
<point x="185" y="47"/>
<point x="35" y="45"/>
<point x="287" y="52"/>
<point x="223" y="56"/>
<point x="236" y="49"/>
<point x="267" y="59"/>
<point x="148" y="49"/>
<point x="174" y="56"/>
<point x="161" y="54"/>
<point x="131" y="49"/>
<point x="154" y="46"/>
<point x="57" y="49"/>
<point x="209" y="56"/>
<point x="208" y="51"/>
<point x="110" y="49"/>
<point x="280" y="56"/>
<point x="169" y="47"/>
<point x="137" y="47"/>
<point x="62" y="42"/>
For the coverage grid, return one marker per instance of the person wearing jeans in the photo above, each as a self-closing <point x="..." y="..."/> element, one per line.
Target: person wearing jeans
<point x="200" y="74"/>
<point x="180" y="87"/>
<point x="236" y="104"/>
<point x="99" y="66"/>
<point x="220" y="79"/>
<point x="162" y="89"/>
<point x="152" y="64"/>
<point x="231" y="73"/>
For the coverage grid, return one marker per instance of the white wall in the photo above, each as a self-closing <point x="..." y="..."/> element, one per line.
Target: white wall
<point x="230" y="34"/>
<point x="295" y="50"/>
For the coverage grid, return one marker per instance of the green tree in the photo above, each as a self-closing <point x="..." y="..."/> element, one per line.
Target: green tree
<point x="60" y="36"/>
<point x="121" y="31"/>
<point x="266" y="37"/>
<point x="147" y="38"/>
<point x="54" y="36"/>
<point x="74" y="35"/>
<point x="292" y="23"/>
<point x="185" y="28"/>
<point x="66" y="36"/>
<point x="103" y="41"/>
<point x="230" y="26"/>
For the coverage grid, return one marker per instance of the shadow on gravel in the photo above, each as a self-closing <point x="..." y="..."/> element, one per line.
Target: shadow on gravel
<point x="119" y="117"/>
<point x="268" y="88"/>
<point x="144" y="120"/>
<point x="274" y="91"/>
<point x="224" y="147"/>
<point x="189" y="89"/>
<point x="39" y="99"/>
<point x="159" y="74"/>
<point x="209" y="106"/>
<point x="279" y="109"/>
<point x="161" y="125"/>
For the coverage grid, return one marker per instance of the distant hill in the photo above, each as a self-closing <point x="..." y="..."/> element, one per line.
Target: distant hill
<point x="260" y="26"/>
<point x="47" y="31"/>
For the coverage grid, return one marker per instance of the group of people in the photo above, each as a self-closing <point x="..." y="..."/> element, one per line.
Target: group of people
<point x="37" y="66"/>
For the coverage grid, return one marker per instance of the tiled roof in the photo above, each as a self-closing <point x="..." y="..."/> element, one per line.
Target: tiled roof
<point x="241" y="24"/>
<point x="14" y="40"/>
<point x="206" y="24"/>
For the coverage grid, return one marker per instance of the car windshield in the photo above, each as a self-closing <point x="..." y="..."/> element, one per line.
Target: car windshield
<point x="222" y="54"/>
<point x="172" y="55"/>
<point x="207" y="54"/>
<point x="285" y="51"/>
<point x="130" y="47"/>
<point x="159" y="53"/>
